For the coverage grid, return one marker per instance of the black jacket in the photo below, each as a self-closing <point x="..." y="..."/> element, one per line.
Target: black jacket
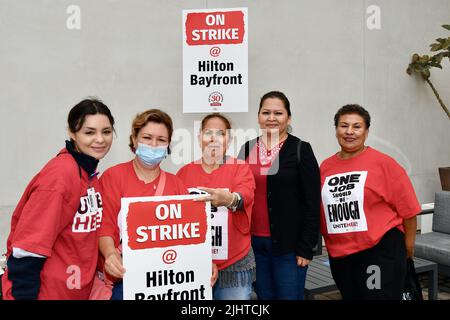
<point x="293" y="198"/>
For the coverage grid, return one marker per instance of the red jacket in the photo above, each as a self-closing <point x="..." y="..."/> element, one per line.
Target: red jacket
<point x="55" y="219"/>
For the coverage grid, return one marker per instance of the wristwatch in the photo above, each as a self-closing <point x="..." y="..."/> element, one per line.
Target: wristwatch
<point x="236" y="201"/>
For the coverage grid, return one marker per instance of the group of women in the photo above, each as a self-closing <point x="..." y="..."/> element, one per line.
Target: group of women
<point x="274" y="199"/>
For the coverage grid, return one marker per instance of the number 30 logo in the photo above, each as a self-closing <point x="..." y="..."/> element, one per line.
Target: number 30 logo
<point x="215" y="99"/>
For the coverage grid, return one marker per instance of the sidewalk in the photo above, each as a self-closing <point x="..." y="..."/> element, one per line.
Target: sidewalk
<point x="443" y="293"/>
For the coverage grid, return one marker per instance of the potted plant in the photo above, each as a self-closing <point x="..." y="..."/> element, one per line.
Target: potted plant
<point x="421" y="65"/>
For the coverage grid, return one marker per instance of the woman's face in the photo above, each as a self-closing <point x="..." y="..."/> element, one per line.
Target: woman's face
<point x="95" y="136"/>
<point x="152" y="134"/>
<point x="351" y="132"/>
<point x="274" y="117"/>
<point x="214" y="138"/>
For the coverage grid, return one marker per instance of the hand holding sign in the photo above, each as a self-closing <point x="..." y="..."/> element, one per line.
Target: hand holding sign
<point x="218" y="197"/>
<point x="112" y="262"/>
<point x="219" y="227"/>
<point x="114" y="266"/>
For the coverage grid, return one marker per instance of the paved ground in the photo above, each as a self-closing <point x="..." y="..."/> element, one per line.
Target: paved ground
<point x="443" y="294"/>
<point x="443" y="283"/>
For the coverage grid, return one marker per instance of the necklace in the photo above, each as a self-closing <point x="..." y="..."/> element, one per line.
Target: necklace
<point x="267" y="155"/>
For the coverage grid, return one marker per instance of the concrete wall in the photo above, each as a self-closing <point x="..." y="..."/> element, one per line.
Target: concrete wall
<point x="129" y="53"/>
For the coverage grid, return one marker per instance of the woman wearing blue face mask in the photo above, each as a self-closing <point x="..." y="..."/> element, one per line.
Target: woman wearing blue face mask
<point x="141" y="177"/>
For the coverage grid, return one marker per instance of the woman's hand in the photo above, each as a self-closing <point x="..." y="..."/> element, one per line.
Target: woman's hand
<point x="410" y="226"/>
<point x="218" y="197"/>
<point x="113" y="265"/>
<point x="302" y="262"/>
<point x="215" y="274"/>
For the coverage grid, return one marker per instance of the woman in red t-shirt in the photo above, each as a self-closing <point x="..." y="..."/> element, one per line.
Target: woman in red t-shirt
<point x="149" y="140"/>
<point x="368" y="214"/>
<point x="230" y="185"/>
<point x="53" y="237"/>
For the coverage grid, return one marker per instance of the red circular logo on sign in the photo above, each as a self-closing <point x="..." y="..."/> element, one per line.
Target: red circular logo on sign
<point x="215" y="99"/>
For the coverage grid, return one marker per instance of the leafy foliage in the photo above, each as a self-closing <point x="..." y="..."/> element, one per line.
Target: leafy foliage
<point x="422" y="65"/>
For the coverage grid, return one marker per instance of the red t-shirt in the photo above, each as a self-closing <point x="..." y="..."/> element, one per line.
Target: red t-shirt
<point x="260" y="213"/>
<point x="363" y="198"/>
<point x="121" y="181"/>
<point x="260" y="219"/>
<point x="235" y="175"/>
<point x="54" y="218"/>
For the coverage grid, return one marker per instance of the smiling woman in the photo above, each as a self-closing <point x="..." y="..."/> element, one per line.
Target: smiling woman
<point x="352" y="130"/>
<point x="368" y="212"/>
<point x="230" y="187"/>
<point x="54" y="225"/>
<point x="287" y="200"/>
<point x="95" y="136"/>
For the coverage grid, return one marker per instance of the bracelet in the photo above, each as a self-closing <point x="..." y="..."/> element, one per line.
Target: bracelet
<point x="236" y="200"/>
<point x="233" y="200"/>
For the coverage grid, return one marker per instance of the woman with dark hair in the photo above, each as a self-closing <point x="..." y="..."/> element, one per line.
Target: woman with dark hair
<point x="285" y="222"/>
<point x="150" y="138"/>
<point x="53" y="245"/>
<point x="369" y="213"/>
<point x="229" y="185"/>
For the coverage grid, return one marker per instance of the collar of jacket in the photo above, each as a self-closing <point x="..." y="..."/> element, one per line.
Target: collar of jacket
<point x="88" y="163"/>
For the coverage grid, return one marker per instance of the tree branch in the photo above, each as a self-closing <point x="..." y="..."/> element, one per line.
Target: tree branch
<point x="438" y="97"/>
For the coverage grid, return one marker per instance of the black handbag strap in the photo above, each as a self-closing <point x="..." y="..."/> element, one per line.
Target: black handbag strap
<point x="299" y="150"/>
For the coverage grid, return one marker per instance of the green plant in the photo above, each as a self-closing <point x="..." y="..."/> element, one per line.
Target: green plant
<point x="422" y="65"/>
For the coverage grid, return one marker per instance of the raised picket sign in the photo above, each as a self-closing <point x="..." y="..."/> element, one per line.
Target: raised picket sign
<point x="215" y="60"/>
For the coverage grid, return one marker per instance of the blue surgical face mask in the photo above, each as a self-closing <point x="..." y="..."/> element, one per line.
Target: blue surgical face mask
<point x="149" y="155"/>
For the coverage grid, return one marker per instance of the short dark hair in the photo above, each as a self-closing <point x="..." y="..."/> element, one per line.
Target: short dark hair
<point x="90" y="106"/>
<point x="152" y="115"/>
<point x="352" y="108"/>
<point x="279" y="95"/>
